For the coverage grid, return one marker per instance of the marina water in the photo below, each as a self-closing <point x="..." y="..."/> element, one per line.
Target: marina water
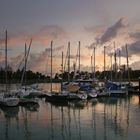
<point x="108" y="118"/>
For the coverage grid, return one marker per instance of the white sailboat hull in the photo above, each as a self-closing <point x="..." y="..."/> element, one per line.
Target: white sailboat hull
<point x="92" y="95"/>
<point x="9" y="101"/>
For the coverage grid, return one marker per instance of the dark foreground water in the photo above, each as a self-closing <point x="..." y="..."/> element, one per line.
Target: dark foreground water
<point x="96" y="119"/>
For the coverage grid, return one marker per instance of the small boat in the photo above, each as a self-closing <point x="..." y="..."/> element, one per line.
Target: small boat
<point x="5" y="99"/>
<point x="8" y="101"/>
<point x="116" y="88"/>
<point x="103" y="93"/>
<point x="68" y="96"/>
<point x="25" y="91"/>
<point x="29" y="92"/>
<point x="77" y="96"/>
<point x="92" y="93"/>
<point x="57" y="97"/>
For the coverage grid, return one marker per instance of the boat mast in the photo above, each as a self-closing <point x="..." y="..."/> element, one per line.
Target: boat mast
<point x="6" y="61"/>
<point x="121" y="76"/>
<point x="51" y="63"/>
<point x="62" y="71"/>
<point x="62" y="62"/>
<point x="104" y="60"/>
<point x="91" y="68"/>
<point x="94" y="62"/>
<point x="25" y="63"/>
<point x="119" y="58"/>
<point x="25" y="60"/>
<point x="127" y="64"/>
<point x="68" y="62"/>
<point x="79" y="55"/>
<point x="111" y="66"/>
<point x="115" y="67"/>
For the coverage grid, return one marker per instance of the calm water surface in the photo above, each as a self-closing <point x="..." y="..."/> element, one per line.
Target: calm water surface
<point x="96" y="119"/>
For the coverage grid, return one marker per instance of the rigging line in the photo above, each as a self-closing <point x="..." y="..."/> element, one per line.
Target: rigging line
<point x="26" y="57"/>
<point x="66" y="60"/>
<point x="76" y="58"/>
<point x="18" y="66"/>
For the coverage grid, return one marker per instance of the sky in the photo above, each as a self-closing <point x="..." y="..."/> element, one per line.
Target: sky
<point x="96" y="23"/>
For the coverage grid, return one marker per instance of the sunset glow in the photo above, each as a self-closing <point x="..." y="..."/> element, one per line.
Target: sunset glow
<point x="94" y="23"/>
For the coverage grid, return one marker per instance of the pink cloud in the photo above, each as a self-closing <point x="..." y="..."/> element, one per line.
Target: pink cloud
<point x="43" y="36"/>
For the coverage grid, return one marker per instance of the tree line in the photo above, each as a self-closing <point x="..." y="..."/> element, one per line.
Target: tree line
<point x="15" y="76"/>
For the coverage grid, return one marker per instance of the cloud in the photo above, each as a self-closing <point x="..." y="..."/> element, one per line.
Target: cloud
<point x="2" y="58"/>
<point x="135" y="65"/>
<point x="49" y="32"/>
<point x="91" y="46"/>
<point x="17" y="62"/>
<point x="1" y="41"/>
<point x="133" y="49"/>
<point x="41" y="62"/>
<point x="36" y="62"/>
<point x="95" y="30"/>
<point x="117" y="32"/>
<point x="113" y="31"/>
<point x="43" y="36"/>
<point x="59" y="48"/>
<point x="2" y="38"/>
<point x="135" y="35"/>
<point x="14" y="39"/>
<point x="53" y="31"/>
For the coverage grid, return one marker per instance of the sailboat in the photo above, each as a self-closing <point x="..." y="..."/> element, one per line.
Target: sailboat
<point x="56" y="96"/>
<point x="70" y="93"/>
<point x="93" y="92"/>
<point x="25" y="91"/>
<point x="74" y="88"/>
<point x="5" y="99"/>
<point x="86" y="85"/>
<point x="115" y="88"/>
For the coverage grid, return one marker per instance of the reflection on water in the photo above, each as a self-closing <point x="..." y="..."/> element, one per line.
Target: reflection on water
<point x="96" y="119"/>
